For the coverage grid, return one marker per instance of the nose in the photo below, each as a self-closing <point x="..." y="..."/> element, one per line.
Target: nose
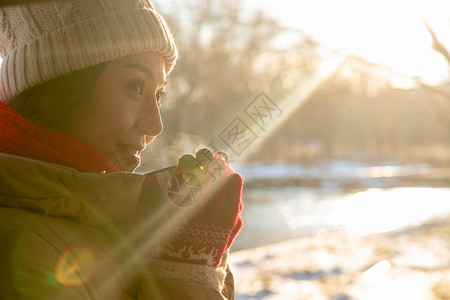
<point x="149" y="122"/>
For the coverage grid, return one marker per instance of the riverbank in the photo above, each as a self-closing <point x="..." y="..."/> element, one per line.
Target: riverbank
<point x="409" y="263"/>
<point x="344" y="175"/>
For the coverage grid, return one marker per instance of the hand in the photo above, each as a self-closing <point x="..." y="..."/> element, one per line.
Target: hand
<point x="213" y="211"/>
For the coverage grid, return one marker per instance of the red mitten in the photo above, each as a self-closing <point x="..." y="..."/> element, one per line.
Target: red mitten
<point x="213" y="208"/>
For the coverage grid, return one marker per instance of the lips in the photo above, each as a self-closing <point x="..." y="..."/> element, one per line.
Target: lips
<point x="131" y="148"/>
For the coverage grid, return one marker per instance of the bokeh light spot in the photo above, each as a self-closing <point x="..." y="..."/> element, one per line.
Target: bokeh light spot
<point x="75" y="266"/>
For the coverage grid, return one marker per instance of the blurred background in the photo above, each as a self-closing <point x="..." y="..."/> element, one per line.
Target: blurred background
<point x="337" y="113"/>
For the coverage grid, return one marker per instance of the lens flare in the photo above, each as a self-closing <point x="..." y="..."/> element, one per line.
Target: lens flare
<point x="75" y="266"/>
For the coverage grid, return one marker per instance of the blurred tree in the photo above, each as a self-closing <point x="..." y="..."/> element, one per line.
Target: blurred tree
<point x="443" y="88"/>
<point x="357" y="114"/>
<point x="228" y="55"/>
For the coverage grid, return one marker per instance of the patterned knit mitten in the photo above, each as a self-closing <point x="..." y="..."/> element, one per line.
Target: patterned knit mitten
<point x="212" y="202"/>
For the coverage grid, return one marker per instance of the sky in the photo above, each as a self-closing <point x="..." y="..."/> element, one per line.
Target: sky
<point x="388" y="32"/>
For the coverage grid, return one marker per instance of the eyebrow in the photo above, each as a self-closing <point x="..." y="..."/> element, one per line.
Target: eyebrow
<point x="139" y="67"/>
<point x="143" y="69"/>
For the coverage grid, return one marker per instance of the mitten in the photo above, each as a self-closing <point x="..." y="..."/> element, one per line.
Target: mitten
<point x="211" y="194"/>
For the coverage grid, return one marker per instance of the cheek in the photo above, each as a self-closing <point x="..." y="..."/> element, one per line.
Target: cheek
<point x="114" y="122"/>
<point x="104" y="122"/>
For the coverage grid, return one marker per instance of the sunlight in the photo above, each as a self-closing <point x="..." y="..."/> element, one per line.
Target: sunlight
<point x="382" y="282"/>
<point x="291" y="102"/>
<point x="395" y="171"/>
<point x="377" y="271"/>
<point x="388" y="32"/>
<point x="376" y="211"/>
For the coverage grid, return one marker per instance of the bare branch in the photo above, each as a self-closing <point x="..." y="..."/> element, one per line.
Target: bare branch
<point x="438" y="46"/>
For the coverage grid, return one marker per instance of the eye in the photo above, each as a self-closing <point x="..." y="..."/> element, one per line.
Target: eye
<point x="136" y="87"/>
<point x="160" y="97"/>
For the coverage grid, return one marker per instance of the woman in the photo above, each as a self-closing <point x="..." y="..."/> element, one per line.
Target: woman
<point x="82" y="83"/>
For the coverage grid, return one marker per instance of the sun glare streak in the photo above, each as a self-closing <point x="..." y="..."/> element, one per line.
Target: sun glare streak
<point x="293" y="101"/>
<point x="154" y="227"/>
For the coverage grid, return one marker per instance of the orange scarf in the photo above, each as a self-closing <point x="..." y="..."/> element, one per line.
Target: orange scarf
<point x="20" y="137"/>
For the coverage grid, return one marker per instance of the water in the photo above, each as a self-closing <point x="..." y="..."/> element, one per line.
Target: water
<point x="273" y="214"/>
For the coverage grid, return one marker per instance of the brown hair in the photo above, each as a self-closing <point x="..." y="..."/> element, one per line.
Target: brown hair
<point x="50" y="103"/>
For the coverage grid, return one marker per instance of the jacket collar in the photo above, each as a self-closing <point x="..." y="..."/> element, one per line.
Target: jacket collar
<point x="54" y="190"/>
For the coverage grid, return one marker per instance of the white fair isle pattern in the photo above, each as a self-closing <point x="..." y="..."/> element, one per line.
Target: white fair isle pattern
<point x="201" y="274"/>
<point x="198" y="242"/>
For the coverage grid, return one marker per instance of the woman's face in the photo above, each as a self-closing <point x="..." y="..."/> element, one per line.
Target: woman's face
<point x="120" y="116"/>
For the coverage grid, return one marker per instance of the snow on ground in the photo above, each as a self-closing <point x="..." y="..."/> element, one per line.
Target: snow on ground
<point x="356" y="232"/>
<point x="412" y="263"/>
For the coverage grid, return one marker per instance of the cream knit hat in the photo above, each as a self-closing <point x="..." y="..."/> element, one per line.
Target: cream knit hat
<point x="39" y="42"/>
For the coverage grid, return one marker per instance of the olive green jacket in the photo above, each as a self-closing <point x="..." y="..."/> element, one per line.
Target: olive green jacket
<point x="69" y="235"/>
